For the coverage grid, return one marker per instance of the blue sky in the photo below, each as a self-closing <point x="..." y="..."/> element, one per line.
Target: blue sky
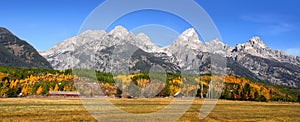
<point x="45" y="23"/>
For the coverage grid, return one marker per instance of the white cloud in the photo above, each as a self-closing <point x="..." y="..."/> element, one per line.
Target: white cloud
<point x="281" y="28"/>
<point x="293" y="51"/>
<point x="271" y="23"/>
<point x="264" y="18"/>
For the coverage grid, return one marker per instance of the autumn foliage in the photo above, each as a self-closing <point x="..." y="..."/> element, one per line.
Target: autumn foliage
<point x="23" y="82"/>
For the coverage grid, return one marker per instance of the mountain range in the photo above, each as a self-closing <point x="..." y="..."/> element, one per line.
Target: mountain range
<point x="253" y="59"/>
<point x="18" y="53"/>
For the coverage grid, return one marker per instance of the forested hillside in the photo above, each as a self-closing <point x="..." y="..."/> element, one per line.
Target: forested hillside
<point x="18" y="53"/>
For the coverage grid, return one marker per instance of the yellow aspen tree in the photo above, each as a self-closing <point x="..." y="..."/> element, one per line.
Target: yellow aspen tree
<point x="56" y="88"/>
<point x="51" y="88"/>
<point x="14" y="83"/>
<point x="2" y="75"/>
<point x="267" y="94"/>
<point x="39" y="90"/>
<point x="24" y="90"/>
<point x="59" y="79"/>
<point x="3" y="88"/>
<point x="66" y="88"/>
<point x="17" y="82"/>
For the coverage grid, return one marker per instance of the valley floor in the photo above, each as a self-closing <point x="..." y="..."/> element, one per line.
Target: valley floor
<point x="71" y="109"/>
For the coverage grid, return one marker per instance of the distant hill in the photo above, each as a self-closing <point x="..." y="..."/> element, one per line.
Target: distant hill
<point x="18" y="53"/>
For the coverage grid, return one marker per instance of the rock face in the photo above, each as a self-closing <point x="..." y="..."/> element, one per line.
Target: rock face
<point x="18" y="53"/>
<point x="256" y="47"/>
<point x="269" y="65"/>
<point x="99" y="45"/>
<point x="252" y="59"/>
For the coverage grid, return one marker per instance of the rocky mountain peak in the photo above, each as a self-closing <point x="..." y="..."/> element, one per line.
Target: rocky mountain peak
<point x="256" y="42"/>
<point x="144" y="37"/>
<point x="215" y="42"/>
<point x="189" y="35"/>
<point x="119" y="31"/>
<point x="189" y="32"/>
<point x="254" y="46"/>
<point x="188" y="39"/>
<point x="218" y="47"/>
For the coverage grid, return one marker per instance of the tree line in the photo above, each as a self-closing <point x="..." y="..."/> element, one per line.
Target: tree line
<point x="23" y="82"/>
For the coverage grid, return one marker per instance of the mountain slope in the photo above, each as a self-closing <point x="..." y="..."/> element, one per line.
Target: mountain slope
<point x="267" y="64"/>
<point x="18" y="53"/>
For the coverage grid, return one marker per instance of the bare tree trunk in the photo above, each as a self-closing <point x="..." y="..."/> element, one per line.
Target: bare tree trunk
<point x="201" y="90"/>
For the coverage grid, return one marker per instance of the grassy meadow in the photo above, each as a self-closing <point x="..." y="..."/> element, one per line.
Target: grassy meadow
<point x="71" y="109"/>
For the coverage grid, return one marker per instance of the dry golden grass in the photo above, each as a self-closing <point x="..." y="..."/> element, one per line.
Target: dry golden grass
<point x="43" y="109"/>
<point x="60" y="109"/>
